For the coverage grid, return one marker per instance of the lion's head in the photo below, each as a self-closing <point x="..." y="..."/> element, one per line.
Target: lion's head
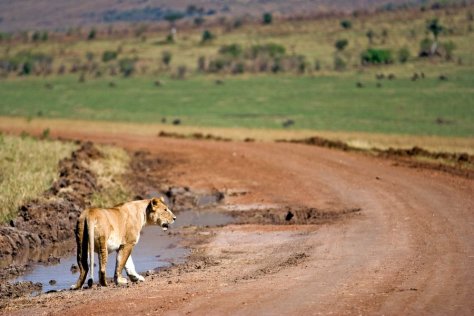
<point x="159" y="214"/>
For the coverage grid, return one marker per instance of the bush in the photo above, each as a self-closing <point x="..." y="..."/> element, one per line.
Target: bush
<point x="341" y="44"/>
<point x="207" y="36"/>
<point x="403" y="55"/>
<point x="267" y="18"/>
<point x="36" y="36"/>
<point x="270" y="50"/>
<point x="166" y="57"/>
<point x="232" y="50"/>
<point x="238" y="68"/>
<point x="425" y="47"/>
<point x="109" y="55"/>
<point x="448" y="49"/>
<point x="127" y="66"/>
<point x="376" y="56"/>
<point x="346" y="24"/>
<point x="92" y="34"/>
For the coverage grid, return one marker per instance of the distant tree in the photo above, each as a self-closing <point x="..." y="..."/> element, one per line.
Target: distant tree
<point x="267" y="18"/>
<point x="166" y="58"/>
<point x="346" y="24"/>
<point x="403" y="55"/>
<point x="92" y="34"/>
<point x="44" y="36"/>
<point x="370" y="36"/>
<point x="341" y="44"/>
<point x="434" y="27"/>
<point x="172" y="17"/>
<point x="207" y="36"/>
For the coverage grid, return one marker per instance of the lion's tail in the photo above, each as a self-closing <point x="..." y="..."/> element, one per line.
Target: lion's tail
<point x="90" y="229"/>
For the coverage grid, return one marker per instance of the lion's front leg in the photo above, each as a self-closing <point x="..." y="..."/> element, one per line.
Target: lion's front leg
<point x="131" y="272"/>
<point x="122" y="256"/>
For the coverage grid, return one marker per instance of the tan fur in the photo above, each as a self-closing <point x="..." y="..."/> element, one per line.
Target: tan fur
<point x="115" y="229"/>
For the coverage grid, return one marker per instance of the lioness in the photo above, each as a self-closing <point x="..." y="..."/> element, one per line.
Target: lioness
<point x="115" y="229"/>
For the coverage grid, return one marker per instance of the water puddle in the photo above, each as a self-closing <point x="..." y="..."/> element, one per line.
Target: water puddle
<point x="156" y="249"/>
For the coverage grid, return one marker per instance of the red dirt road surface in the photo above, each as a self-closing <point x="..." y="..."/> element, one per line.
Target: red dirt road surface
<point x="410" y="251"/>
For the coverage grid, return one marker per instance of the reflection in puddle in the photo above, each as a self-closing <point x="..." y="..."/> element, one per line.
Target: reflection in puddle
<point x="156" y="249"/>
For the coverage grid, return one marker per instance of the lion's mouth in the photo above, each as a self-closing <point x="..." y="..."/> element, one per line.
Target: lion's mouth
<point x="164" y="226"/>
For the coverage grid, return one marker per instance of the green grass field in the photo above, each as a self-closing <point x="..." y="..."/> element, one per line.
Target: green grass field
<point x="323" y="100"/>
<point x="330" y="102"/>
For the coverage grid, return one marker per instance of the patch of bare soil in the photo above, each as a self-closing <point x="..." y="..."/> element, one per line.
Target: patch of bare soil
<point x="8" y="290"/>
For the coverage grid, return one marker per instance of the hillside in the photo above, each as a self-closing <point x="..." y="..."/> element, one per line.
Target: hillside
<point x="62" y="14"/>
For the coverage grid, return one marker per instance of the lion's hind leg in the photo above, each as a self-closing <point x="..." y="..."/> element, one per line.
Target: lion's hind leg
<point x="82" y="248"/>
<point x="103" y="253"/>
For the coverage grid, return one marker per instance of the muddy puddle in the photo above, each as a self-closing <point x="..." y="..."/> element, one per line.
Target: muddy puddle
<point x="156" y="249"/>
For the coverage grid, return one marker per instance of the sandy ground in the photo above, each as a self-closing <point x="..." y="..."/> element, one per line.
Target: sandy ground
<point x="410" y="251"/>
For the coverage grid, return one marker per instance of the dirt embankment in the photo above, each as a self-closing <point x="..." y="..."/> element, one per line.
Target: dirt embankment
<point x="460" y="164"/>
<point x="47" y="221"/>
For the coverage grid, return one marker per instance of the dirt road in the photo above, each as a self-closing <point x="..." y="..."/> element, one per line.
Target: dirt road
<point x="410" y="251"/>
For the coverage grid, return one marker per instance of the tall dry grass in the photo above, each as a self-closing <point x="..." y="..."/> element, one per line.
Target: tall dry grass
<point x="110" y="171"/>
<point x="27" y="168"/>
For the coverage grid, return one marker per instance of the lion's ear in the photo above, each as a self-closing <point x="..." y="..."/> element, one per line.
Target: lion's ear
<point x="154" y="202"/>
<point x="162" y="199"/>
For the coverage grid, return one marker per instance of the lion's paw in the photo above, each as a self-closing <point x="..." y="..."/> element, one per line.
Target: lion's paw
<point x="120" y="280"/>
<point x="136" y="278"/>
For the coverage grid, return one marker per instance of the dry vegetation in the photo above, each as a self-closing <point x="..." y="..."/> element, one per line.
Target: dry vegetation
<point x="27" y="168"/>
<point x="110" y="171"/>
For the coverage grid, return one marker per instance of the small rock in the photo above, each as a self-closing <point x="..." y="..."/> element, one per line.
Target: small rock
<point x="52" y="282"/>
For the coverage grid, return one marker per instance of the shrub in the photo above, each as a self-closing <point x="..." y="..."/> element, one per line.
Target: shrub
<point x="341" y="44"/>
<point x="232" y="50"/>
<point x="36" y="36"/>
<point x="277" y="65"/>
<point x="127" y="66"/>
<point x="166" y="57"/>
<point x="403" y="55"/>
<point x="376" y="56"/>
<point x="92" y="34"/>
<point x="207" y="36"/>
<point x="238" y="68"/>
<point x="267" y="18"/>
<point x="109" y="55"/>
<point x="217" y="65"/>
<point x="425" y="47"/>
<point x="271" y="50"/>
<point x="346" y="24"/>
